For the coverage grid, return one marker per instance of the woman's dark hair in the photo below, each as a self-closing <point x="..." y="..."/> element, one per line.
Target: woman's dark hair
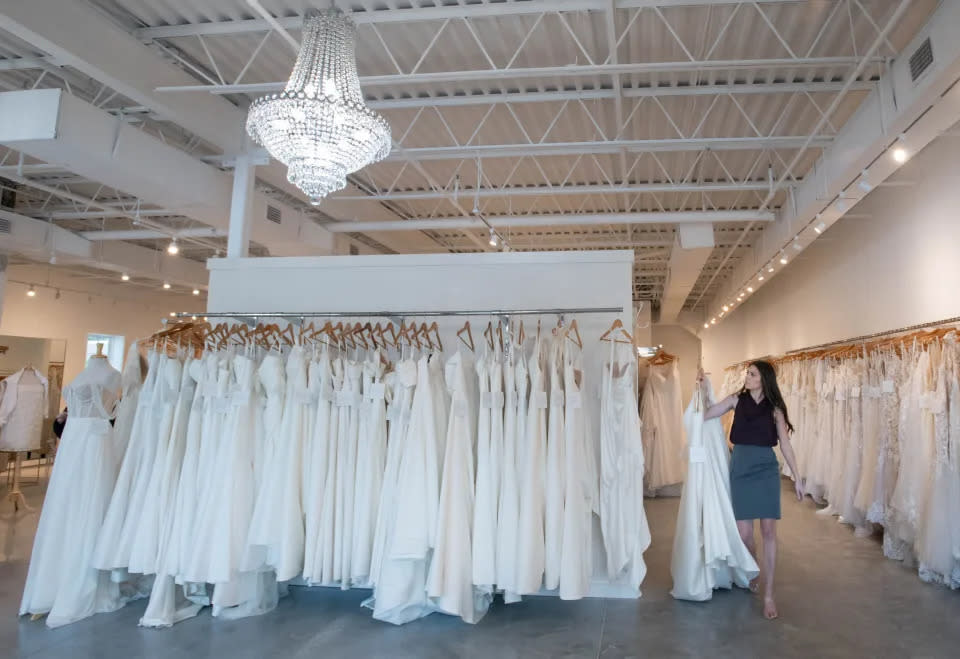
<point x="771" y="390"/>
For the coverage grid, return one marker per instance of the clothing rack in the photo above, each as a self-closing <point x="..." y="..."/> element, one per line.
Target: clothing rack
<point x="877" y="335"/>
<point x="254" y="316"/>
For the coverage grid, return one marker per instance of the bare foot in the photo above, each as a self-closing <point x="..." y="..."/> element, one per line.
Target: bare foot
<point x="755" y="584"/>
<point x="770" y="608"/>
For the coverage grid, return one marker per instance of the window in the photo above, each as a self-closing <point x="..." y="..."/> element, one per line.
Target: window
<point x="112" y="348"/>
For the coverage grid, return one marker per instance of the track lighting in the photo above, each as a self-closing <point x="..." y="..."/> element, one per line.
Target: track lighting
<point x="713" y="321"/>
<point x="820" y="227"/>
<point x="53" y="259"/>
<point x="173" y="248"/>
<point x="863" y="183"/>
<point x="193" y="317"/>
<point x="760" y="278"/>
<point x="125" y="277"/>
<point x="841" y="205"/>
<point x="726" y="307"/>
<point x="797" y="246"/>
<point x="173" y="314"/>
<point x="749" y="289"/>
<point x="783" y="258"/>
<point x="493" y="238"/>
<point x="770" y="269"/>
<point x="706" y="325"/>
<point x="196" y="291"/>
<point x="31" y="292"/>
<point x="166" y="285"/>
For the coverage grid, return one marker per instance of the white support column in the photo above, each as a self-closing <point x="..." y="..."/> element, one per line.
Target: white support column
<point x="241" y="207"/>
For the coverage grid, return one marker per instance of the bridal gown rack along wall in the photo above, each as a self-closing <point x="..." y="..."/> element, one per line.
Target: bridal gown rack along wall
<point x="878" y="440"/>
<point x="261" y="466"/>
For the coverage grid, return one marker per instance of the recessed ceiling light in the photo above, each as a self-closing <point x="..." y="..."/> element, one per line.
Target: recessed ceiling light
<point x="900" y="155"/>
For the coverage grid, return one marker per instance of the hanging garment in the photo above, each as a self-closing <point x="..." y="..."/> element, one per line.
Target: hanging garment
<point x="451" y="576"/>
<point x="61" y="580"/>
<point x="279" y="498"/>
<point x="23" y="406"/>
<point x="167" y="604"/>
<point x="371" y="458"/>
<point x="554" y="486"/>
<point x="315" y="481"/>
<point x="119" y="527"/>
<point x="146" y="529"/>
<point x="580" y="477"/>
<point x="349" y="401"/>
<point x="663" y="444"/>
<point x="508" y="507"/>
<point x="623" y="520"/>
<point x="708" y="552"/>
<point x="400" y="387"/>
<point x="400" y="594"/>
<point x="483" y="508"/>
<point x="871" y="438"/>
<point x="532" y="468"/>
<point x="131" y="383"/>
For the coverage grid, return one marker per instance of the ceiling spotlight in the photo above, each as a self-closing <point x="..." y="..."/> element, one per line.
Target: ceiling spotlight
<point x="770" y="269"/>
<point x="797" y="246"/>
<point x="196" y="291"/>
<point x="726" y="307"/>
<point x="900" y="154"/>
<point x="31" y="292"/>
<point x="841" y="205"/>
<point x="713" y="321"/>
<point x="204" y="319"/>
<point x="53" y="259"/>
<point x="125" y="277"/>
<point x="783" y="258"/>
<point x="173" y="314"/>
<point x="493" y="238"/>
<point x="749" y="289"/>
<point x="706" y="325"/>
<point x="193" y="317"/>
<point x="863" y="183"/>
<point x="173" y="247"/>
<point x="722" y="313"/>
<point x="820" y="227"/>
<point x="760" y="278"/>
<point x="166" y="285"/>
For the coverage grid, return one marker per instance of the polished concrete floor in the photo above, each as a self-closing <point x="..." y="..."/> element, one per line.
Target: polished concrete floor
<point x="838" y="597"/>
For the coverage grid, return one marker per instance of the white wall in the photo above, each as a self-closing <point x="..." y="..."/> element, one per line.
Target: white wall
<point x="898" y="266"/>
<point x="75" y="315"/>
<point x="22" y="351"/>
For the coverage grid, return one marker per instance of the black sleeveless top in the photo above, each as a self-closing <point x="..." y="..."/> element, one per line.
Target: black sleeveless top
<point x="753" y="422"/>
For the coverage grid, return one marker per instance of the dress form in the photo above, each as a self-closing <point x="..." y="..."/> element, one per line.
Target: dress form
<point x="20" y="423"/>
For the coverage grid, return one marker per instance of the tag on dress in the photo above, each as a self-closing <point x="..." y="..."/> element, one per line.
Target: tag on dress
<point x="486" y="400"/>
<point x="497" y="400"/>
<point x="512" y="398"/>
<point x="855" y="392"/>
<point x="556" y="397"/>
<point x="575" y="400"/>
<point x="888" y="387"/>
<point x="539" y="400"/>
<point x="698" y="455"/>
<point x="460" y="408"/>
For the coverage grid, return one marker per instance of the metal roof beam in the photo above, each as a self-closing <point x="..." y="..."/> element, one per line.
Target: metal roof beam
<point x="146" y="234"/>
<point x="418" y="195"/>
<point x="456" y="11"/>
<point x="571" y="70"/>
<point x="25" y="63"/>
<point x="507" y="222"/>
<point x="600" y="147"/>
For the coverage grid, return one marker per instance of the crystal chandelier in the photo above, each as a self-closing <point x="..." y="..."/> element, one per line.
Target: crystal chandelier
<point x="319" y="126"/>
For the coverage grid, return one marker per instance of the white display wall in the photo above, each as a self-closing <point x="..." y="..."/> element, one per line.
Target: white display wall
<point x="894" y="263"/>
<point x="446" y="282"/>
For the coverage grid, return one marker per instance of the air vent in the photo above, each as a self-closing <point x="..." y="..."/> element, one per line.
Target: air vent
<point x="273" y="214"/>
<point x="5" y="226"/>
<point x="921" y="60"/>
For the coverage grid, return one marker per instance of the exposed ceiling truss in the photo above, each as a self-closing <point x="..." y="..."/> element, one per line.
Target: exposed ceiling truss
<point x="586" y="111"/>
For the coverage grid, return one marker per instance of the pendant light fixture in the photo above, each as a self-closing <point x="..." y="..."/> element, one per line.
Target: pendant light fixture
<point x="319" y="125"/>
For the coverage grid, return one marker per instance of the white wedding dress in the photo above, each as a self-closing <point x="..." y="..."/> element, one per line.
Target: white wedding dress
<point x="531" y="470"/>
<point x="61" y="579"/>
<point x="707" y="550"/>
<point x="663" y="442"/>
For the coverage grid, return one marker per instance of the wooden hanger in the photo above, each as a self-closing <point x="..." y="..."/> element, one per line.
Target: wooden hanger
<point x="521" y="336"/>
<point x="488" y="335"/>
<point x="575" y="331"/>
<point x="469" y="340"/>
<point x="617" y="338"/>
<point x="436" y="333"/>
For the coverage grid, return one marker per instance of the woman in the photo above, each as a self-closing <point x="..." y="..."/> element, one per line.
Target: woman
<point x="760" y="421"/>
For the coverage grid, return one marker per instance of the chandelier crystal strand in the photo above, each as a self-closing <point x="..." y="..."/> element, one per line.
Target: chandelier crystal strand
<point x="319" y="125"/>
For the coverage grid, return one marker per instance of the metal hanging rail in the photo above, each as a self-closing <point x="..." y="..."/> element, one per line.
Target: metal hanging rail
<point x="877" y="335"/>
<point x="399" y="314"/>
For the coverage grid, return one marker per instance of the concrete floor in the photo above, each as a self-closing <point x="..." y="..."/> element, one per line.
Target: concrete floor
<point x="838" y="597"/>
